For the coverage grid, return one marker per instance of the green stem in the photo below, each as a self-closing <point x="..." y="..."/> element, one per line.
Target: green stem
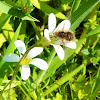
<point x="62" y="80"/>
<point x="41" y="74"/>
<point x="22" y="5"/>
<point x="96" y="41"/>
<point x="36" y="29"/>
<point x="25" y="93"/>
<point x="70" y="84"/>
<point x="95" y="87"/>
<point x="17" y="68"/>
<point x="26" y="89"/>
<point x="39" y="44"/>
<point x="85" y="63"/>
<point x="9" y="92"/>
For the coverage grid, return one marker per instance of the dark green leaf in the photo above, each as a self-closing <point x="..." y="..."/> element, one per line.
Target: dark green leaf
<point x="78" y="16"/>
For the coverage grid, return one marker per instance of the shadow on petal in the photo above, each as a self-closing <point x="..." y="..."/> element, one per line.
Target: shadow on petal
<point x="71" y="45"/>
<point x="46" y="34"/>
<point x="20" y="46"/>
<point x="60" y="51"/>
<point x="11" y="57"/>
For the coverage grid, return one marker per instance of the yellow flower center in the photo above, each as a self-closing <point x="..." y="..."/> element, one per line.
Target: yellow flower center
<point x="26" y="61"/>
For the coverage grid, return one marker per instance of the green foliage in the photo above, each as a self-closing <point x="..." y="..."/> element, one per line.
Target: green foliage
<point x="58" y="97"/>
<point x="82" y="88"/>
<point x="77" y="76"/>
<point x="7" y="32"/>
<point x="8" y="9"/>
<point x="47" y="9"/>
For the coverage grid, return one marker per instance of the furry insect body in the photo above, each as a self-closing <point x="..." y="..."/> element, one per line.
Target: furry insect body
<point x="65" y="35"/>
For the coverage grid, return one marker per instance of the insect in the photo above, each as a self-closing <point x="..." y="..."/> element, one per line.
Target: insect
<point x="67" y="35"/>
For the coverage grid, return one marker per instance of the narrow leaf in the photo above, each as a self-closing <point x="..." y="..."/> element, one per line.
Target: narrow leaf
<point x="47" y="9"/>
<point x="96" y="86"/>
<point x="56" y="62"/>
<point x="7" y="33"/>
<point x="75" y="5"/>
<point x="3" y="19"/>
<point x="62" y="80"/>
<point x="78" y="16"/>
<point x="10" y="49"/>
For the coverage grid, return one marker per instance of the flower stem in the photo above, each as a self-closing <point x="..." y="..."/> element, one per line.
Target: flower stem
<point x="25" y="90"/>
<point x="41" y="74"/>
<point x="16" y="70"/>
<point x="38" y="44"/>
<point x="37" y="31"/>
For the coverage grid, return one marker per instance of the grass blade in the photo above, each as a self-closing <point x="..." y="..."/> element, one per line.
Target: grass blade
<point x="96" y="86"/>
<point x="56" y="63"/>
<point x="10" y="49"/>
<point x="4" y="18"/>
<point x="75" y="5"/>
<point x="63" y="80"/>
<point x="78" y="16"/>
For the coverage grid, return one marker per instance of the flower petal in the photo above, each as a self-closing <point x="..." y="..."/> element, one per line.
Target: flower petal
<point x="71" y="45"/>
<point x="11" y="58"/>
<point x="60" y="51"/>
<point x="65" y="25"/>
<point x="46" y="34"/>
<point x="20" y="46"/>
<point x="51" y="22"/>
<point x="39" y="63"/>
<point x="35" y="51"/>
<point x="25" y="72"/>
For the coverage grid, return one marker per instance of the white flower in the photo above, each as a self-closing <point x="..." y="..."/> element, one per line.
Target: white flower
<point x="64" y="25"/>
<point x="25" y="70"/>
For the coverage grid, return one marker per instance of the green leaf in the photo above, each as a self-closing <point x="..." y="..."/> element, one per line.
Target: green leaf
<point x="87" y="51"/>
<point x="56" y="62"/>
<point x="96" y="86"/>
<point x="75" y="5"/>
<point x="10" y="49"/>
<point x="78" y="16"/>
<point x="22" y="31"/>
<point x="14" y="84"/>
<point x="58" y="97"/>
<point x="63" y="79"/>
<point x="47" y="9"/>
<point x="4" y="18"/>
<point x="95" y="60"/>
<point x="7" y="33"/>
<point x="81" y="89"/>
<point x="93" y="32"/>
<point x="12" y="93"/>
<point x="28" y="7"/>
<point x="8" y="9"/>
